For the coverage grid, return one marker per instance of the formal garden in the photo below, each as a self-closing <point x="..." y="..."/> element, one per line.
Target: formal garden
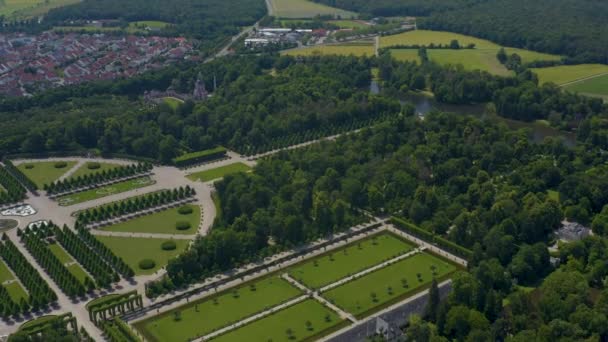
<point x="178" y="220"/>
<point x="45" y="172"/>
<point x="90" y="168"/>
<point x="206" y="315"/>
<point x="107" y="190"/>
<point x="219" y="172"/>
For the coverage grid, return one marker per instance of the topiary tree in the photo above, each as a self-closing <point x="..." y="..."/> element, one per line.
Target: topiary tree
<point x="182" y="225"/>
<point x="168" y="246"/>
<point x="147" y="264"/>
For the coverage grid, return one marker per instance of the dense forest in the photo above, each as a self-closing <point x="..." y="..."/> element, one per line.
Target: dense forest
<point x="577" y="29"/>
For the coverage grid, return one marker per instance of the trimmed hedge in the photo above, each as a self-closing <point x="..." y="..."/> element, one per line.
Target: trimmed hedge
<point x="182" y="225"/>
<point x="200" y="156"/>
<point x="60" y="165"/>
<point x="168" y="246"/>
<point x="185" y="210"/>
<point x="93" y="166"/>
<point x="147" y="264"/>
<point x="431" y="238"/>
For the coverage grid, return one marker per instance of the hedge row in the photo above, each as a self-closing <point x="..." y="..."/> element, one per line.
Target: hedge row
<point x="200" y="156"/>
<point x="116" y="262"/>
<point x="20" y="176"/>
<point x="118" y="331"/>
<point x="14" y="190"/>
<point x="431" y="238"/>
<point x="96" y="178"/>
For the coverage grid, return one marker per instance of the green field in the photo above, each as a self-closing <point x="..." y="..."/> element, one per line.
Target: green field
<point x="209" y="175"/>
<point x="356" y="296"/>
<point x="44" y="172"/>
<point x="133" y="250"/>
<point x="64" y="257"/>
<point x="349" y="24"/>
<point x="471" y="59"/>
<point x="16" y="291"/>
<point x="104" y="191"/>
<point x="293" y="318"/>
<point x="425" y="37"/>
<point x="351" y="259"/>
<point x="138" y="26"/>
<point x="172" y="102"/>
<point x="204" y="316"/>
<point x="86" y="28"/>
<point x="568" y="73"/>
<point x="596" y="86"/>
<point x="361" y="49"/>
<point x="305" y="9"/>
<point x="161" y="222"/>
<point x="84" y="169"/>
<point x="5" y="273"/>
<point x="15" y="9"/>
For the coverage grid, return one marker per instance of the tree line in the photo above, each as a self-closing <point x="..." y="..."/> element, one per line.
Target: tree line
<point x="91" y="179"/>
<point x="11" y="191"/>
<point x="102" y="250"/>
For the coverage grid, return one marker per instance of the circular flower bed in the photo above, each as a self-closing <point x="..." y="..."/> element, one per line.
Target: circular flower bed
<point x="182" y="225"/>
<point x="185" y="210"/>
<point x="147" y="264"/>
<point x="60" y="165"/>
<point x="93" y="166"/>
<point x="168" y="245"/>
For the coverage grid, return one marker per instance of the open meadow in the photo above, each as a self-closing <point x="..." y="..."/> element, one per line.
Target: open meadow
<point x="305" y="9"/>
<point x="569" y="73"/>
<point x="204" y="316"/>
<point x="595" y="86"/>
<point x="20" y="9"/>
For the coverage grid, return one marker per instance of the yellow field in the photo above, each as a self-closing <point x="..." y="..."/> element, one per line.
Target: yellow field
<point x="344" y="49"/>
<point x="424" y="37"/>
<point x="305" y="9"/>
<point x="15" y="9"/>
<point x="568" y="73"/>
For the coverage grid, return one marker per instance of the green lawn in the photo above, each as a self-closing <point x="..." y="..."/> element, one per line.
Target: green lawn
<point x="596" y="86"/>
<point x="356" y="296"/>
<point x="554" y="195"/>
<point x="204" y="316"/>
<point x="5" y="273"/>
<point x="78" y="272"/>
<point x="44" y="172"/>
<point x="29" y="8"/>
<point x="349" y="260"/>
<point x="104" y="191"/>
<point x="133" y="250"/>
<point x="349" y="24"/>
<point x="172" y="102"/>
<point x="569" y="73"/>
<point x="293" y="318"/>
<point x="162" y="222"/>
<point x="16" y="292"/>
<point x="84" y="169"/>
<point x="471" y="59"/>
<point x="219" y="172"/>
<point x="64" y="257"/>
<point x="305" y="9"/>
<point x="360" y="49"/>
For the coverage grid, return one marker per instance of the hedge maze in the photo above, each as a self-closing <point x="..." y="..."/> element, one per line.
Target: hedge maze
<point x="71" y="184"/>
<point x="39" y="292"/>
<point x="13" y="190"/>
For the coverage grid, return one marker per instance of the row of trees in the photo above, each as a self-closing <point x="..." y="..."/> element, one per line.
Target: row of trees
<point x="147" y="201"/>
<point x="91" y="179"/>
<point x="118" y="331"/>
<point x="8" y="307"/>
<point x="116" y="262"/>
<point x="39" y="292"/>
<point x="13" y="190"/>
<point x="35" y="242"/>
<point x="104" y="274"/>
<point x="20" y="176"/>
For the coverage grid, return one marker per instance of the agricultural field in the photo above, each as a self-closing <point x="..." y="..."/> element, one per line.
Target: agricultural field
<point x="133" y="250"/>
<point x="20" y="9"/>
<point x="426" y="37"/>
<point x="65" y="258"/>
<point x="209" y="175"/>
<point x="301" y="322"/>
<point x="563" y="74"/>
<point x="351" y="259"/>
<point x="42" y="173"/>
<point x="356" y="49"/>
<point x="596" y="86"/>
<point x="163" y="222"/>
<point x="104" y="191"/>
<point x="389" y="285"/>
<point x="299" y="9"/>
<point x="91" y="168"/>
<point x="209" y="314"/>
<point x="349" y="24"/>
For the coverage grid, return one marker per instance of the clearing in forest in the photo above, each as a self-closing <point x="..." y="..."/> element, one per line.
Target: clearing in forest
<point x="305" y="9"/>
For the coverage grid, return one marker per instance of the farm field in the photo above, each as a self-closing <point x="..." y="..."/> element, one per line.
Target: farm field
<point x="44" y="172"/>
<point x="361" y="49"/>
<point x="351" y="259"/>
<point x="104" y="191"/>
<point x="471" y="59"/>
<point x="219" y="172"/>
<point x="596" y="86"/>
<point x="568" y="73"/>
<point x="88" y="168"/>
<point x="274" y="327"/>
<point x="163" y="222"/>
<point x="13" y="9"/>
<point x="299" y="9"/>
<point x="65" y="258"/>
<point x="208" y="314"/>
<point x="388" y="284"/>
<point x="426" y="37"/>
<point x="134" y="250"/>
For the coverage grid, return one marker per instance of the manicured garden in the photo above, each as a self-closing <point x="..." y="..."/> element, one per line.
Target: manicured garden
<point x="181" y="220"/>
<point x="92" y="167"/>
<point x="209" y="314"/>
<point x="65" y="258"/>
<point x="304" y="321"/>
<point x="351" y="259"/>
<point x="136" y="250"/>
<point x="389" y="284"/>
<point x="14" y="289"/>
<point x="104" y="191"/>
<point x="219" y="172"/>
<point x="42" y="173"/>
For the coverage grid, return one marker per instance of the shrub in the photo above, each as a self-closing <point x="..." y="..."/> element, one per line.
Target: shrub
<point x="168" y="245"/>
<point x="93" y="166"/>
<point x="147" y="264"/>
<point x="182" y="225"/>
<point x="60" y="165"/>
<point x="185" y="210"/>
<point x="29" y="166"/>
